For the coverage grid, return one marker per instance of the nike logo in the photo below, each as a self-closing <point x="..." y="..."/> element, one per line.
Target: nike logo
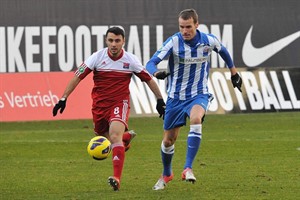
<point x="253" y="56"/>
<point x="238" y="80"/>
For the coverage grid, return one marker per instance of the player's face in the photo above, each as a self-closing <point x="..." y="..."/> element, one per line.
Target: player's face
<point x="187" y="28"/>
<point x="114" y="44"/>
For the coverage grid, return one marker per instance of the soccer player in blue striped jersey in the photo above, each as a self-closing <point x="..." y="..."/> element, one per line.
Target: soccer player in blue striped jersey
<point x="188" y="52"/>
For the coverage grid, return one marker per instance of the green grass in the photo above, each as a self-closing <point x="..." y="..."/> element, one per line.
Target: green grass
<point x="242" y="156"/>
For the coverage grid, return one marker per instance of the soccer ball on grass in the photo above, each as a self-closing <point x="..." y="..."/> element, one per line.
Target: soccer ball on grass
<point x="99" y="148"/>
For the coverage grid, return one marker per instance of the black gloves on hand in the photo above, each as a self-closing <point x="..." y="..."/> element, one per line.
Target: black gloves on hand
<point x="237" y="81"/>
<point x="161" y="75"/>
<point x="160" y="107"/>
<point x="60" y="105"/>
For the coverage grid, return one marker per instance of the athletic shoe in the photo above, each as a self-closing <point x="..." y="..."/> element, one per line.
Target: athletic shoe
<point x="188" y="175"/>
<point x="114" y="183"/>
<point x="162" y="182"/>
<point x="127" y="143"/>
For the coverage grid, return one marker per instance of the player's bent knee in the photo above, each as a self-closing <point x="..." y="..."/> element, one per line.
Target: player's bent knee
<point x="167" y="149"/>
<point x="115" y="138"/>
<point x="196" y="128"/>
<point x="168" y="143"/>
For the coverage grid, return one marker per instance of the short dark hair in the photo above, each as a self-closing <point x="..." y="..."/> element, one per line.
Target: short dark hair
<point x="115" y="30"/>
<point x="189" y="13"/>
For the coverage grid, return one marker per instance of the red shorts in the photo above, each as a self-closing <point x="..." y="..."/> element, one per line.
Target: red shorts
<point x="102" y="117"/>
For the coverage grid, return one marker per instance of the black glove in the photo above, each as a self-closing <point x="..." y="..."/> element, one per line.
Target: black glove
<point x="237" y="81"/>
<point x="160" y="107"/>
<point x="161" y="75"/>
<point x="60" y="105"/>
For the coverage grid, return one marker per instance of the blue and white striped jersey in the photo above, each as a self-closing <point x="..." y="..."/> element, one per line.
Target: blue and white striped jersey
<point x="188" y="63"/>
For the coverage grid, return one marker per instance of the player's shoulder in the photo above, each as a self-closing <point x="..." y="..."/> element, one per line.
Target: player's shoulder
<point x="175" y="36"/>
<point x="100" y="51"/>
<point x="96" y="57"/>
<point x="208" y="38"/>
<point x="130" y="56"/>
<point x="100" y="54"/>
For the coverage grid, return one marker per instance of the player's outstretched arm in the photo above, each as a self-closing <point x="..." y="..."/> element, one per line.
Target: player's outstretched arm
<point x="61" y="104"/>
<point x="236" y="80"/>
<point x="160" y="106"/>
<point x="161" y="74"/>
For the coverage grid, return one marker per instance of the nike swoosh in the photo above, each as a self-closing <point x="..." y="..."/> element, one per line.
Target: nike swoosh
<point x="238" y="80"/>
<point x="253" y="56"/>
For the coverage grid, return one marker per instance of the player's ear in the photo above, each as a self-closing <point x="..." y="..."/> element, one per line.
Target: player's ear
<point x="123" y="43"/>
<point x="106" y="42"/>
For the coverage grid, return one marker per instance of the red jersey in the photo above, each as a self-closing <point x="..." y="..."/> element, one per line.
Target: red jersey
<point x="111" y="76"/>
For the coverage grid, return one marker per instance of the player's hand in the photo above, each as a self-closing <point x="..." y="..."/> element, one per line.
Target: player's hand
<point x="162" y="75"/>
<point x="160" y="107"/>
<point x="237" y="81"/>
<point x="60" y="105"/>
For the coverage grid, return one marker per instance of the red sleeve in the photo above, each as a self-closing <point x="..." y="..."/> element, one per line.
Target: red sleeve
<point x="144" y="75"/>
<point x="82" y="71"/>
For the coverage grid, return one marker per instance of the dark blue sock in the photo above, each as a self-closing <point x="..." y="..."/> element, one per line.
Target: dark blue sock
<point x="193" y="144"/>
<point x="166" y="156"/>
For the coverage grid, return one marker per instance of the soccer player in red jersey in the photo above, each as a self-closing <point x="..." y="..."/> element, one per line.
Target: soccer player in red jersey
<point x="113" y="68"/>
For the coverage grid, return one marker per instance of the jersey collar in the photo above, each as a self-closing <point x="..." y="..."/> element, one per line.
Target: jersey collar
<point x="117" y="58"/>
<point x="195" y="41"/>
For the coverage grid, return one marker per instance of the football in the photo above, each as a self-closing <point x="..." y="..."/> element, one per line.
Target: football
<point x="99" y="148"/>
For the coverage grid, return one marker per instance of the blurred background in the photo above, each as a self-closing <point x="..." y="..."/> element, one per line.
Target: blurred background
<point x="42" y="43"/>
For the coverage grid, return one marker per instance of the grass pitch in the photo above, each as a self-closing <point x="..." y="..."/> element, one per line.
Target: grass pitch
<point x="242" y="156"/>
